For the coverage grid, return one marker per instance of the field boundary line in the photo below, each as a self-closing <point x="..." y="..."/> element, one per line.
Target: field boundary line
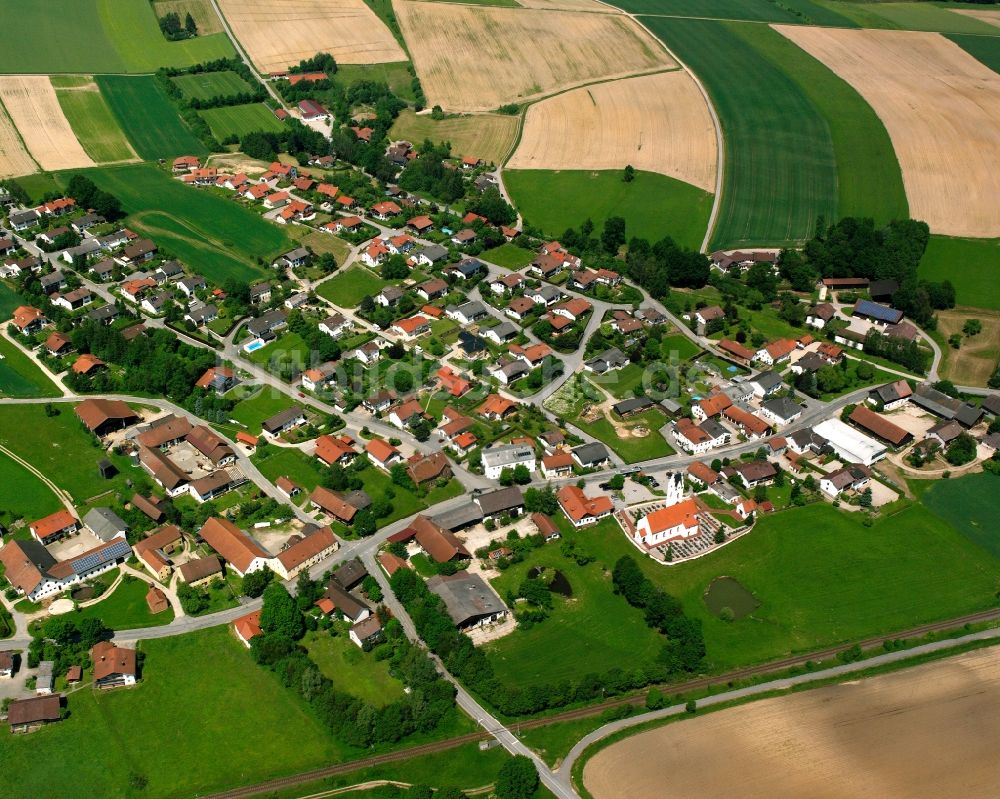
<point x="719" y="142"/>
<point x="61" y="495"/>
<point x="20" y="138"/>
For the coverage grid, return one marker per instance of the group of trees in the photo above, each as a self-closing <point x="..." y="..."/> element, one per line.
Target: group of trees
<point x="427" y="173"/>
<point x="854" y="247"/>
<point x="905" y="353"/>
<point x="66" y="641"/>
<point x="88" y="195"/>
<point x="170" y="26"/>
<point x="659" y="266"/>
<point x="295" y="138"/>
<point x="684" y="651"/>
<point x="157" y="363"/>
<point x="350" y="719"/>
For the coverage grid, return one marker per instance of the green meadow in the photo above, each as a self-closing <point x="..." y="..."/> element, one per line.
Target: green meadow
<point x="653" y="206"/>
<point x="238" y="120"/>
<point x="94" y="124"/>
<point x="972" y="266"/>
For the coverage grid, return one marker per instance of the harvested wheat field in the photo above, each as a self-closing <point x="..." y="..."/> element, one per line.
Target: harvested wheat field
<point x="571" y="5"/>
<point x="659" y="123"/>
<point x="477" y="58"/>
<point x="34" y="108"/>
<point x="923" y="733"/>
<point x="278" y="34"/>
<point x="992" y="16"/>
<point x="941" y="108"/>
<point x="14" y="159"/>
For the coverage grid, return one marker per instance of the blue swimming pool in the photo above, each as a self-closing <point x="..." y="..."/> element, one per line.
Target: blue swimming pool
<point x="253" y="346"/>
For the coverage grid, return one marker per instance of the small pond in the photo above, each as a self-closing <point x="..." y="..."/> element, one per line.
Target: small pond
<point x="557" y="582"/>
<point x="725" y="592"/>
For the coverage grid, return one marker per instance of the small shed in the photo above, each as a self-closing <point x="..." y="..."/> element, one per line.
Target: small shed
<point x="106" y="469"/>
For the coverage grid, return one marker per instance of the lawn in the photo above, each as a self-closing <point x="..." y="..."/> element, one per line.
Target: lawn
<point x="61" y="448"/>
<point x="126" y="608"/>
<point x="217" y="237"/>
<point x="972" y="266"/>
<point x="654" y="206"/>
<point x="593" y="631"/>
<point x="486" y="136"/>
<point x="208" y="85"/>
<point x="620" y="382"/>
<point x="347" y="289"/>
<point x="781" y="170"/>
<point x="9" y="299"/>
<point x="803" y="11"/>
<point x="509" y="255"/>
<point x="984" y="48"/>
<point x="301" y="469"/>
<point x="148" y="117"/>
<point x="89" y="36"/>
<point x="356" y="672"/>
<point x="823" y="578"/>
<point x="970" y="504"/>
<point x="20" y="376"/>
<point x="288" y="349"/>
<point x="396" y="74"/>
<point x="975" y="360"/>
<point x="680" y="344"/>
<point x="238" y="120"/>
<point x="25" y="496"/>
<point x="94" y="124"/>
<point x="221" y="707"/>
<point x="263" y="405"/>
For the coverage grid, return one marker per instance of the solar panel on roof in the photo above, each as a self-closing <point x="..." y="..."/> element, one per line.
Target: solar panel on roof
<point x="118" y="549"/>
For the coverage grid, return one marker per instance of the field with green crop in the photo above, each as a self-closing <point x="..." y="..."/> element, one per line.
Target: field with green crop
<point x="94" y="125"/>
<point x="217" y="237"/>
<point x="802" y="11"/>
<point x="238" y="120"/>
<point x="206" y="85"/>
<point x="89" y="36"/>
<point x="930" y="17"/>
<point x="25" y="496"/>
<point x="654" y="206"/>
<point x="207" y="684"/>
<point x="781" y="170"/>
<point x="148" y="117"/>
<point x="869" y="180"/>
<point x="134" y="32"/>
<point x="972" y="266"/>
<point x="984" y="48"/>
<point x="20" y="376"/>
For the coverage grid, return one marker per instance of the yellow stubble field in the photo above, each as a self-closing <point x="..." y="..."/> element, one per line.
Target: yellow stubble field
<point x="659" y="123"/>
<point x="477" y="58"/>
<point x="35" y="111"/>
<point x="941" y="108"/>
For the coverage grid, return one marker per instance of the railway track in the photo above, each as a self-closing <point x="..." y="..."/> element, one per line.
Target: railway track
<point x="687" y="686"/>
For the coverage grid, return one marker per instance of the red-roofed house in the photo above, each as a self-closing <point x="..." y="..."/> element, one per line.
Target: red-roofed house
<point x="383" y="454"/>
<point x="413" y="327"/>
<point x="248" y="627"/>
<point x="331" y="450"/>
<point x="451" y="382"/>
<point x="237" y="548"/>
<point x="582" y="510"/>
<point x="54" y="526"/>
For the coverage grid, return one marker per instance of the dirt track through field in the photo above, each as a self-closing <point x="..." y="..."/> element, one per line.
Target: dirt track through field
<point x="34" y="108"/>
<point x="923" y="733"/>
<point x="477" y="58"/>
<point x="14" y="159"/>
<point x="658" y="123"/>
<point x="278" y="34"/>
<point x="941" y="108"/>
